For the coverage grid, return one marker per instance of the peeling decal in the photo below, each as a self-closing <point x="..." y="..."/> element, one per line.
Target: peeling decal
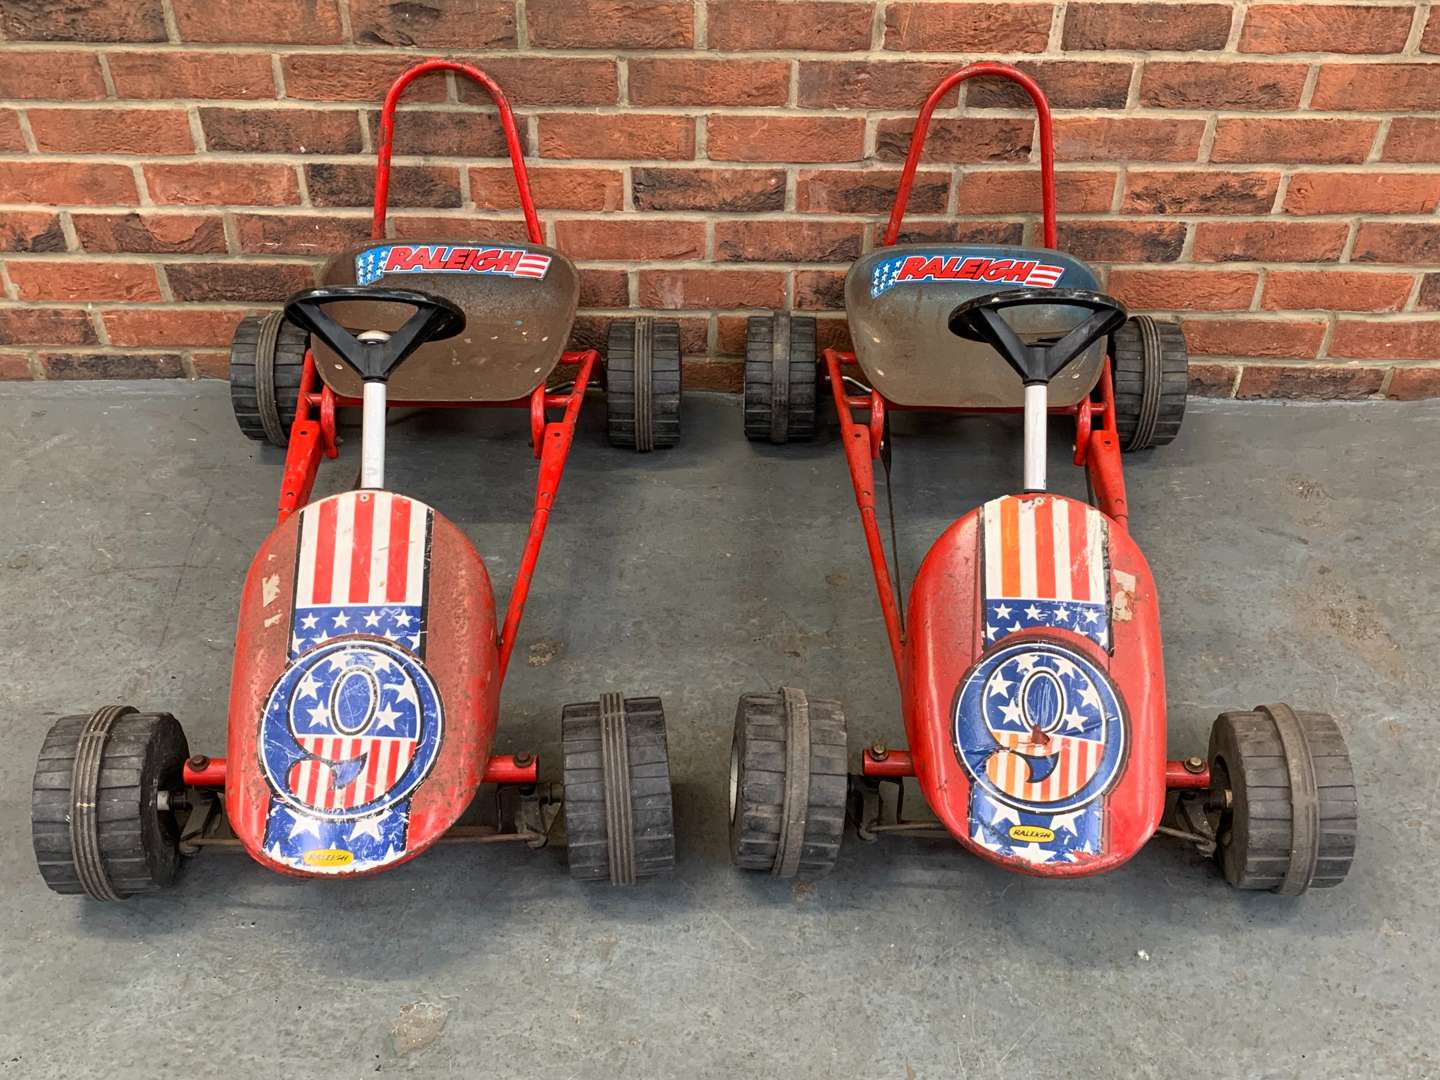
<point x="1040" y="732"/>
<point x="374" y="263"/>
<point x="942" y="266"/>
<point x="269" y="590"/>
<point x="1124" y="596"/>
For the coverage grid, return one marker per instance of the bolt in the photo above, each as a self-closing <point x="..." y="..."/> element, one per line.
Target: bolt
<point x="879" y="752"/>
<point x="198" y="762"/>
<point x="1194" y="765"/>
<point x="522" y="761"/>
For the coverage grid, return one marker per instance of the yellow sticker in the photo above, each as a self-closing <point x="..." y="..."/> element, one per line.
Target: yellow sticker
<point x="1034" y="834"/>
<point x="333" y="857"/>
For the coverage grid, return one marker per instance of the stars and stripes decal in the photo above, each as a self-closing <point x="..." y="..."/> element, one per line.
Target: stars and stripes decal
<point x="374" y="263"/>
<point x="1039" y="730"/>
<point x="353" y="725"/>
<point x="1046" y="565"/>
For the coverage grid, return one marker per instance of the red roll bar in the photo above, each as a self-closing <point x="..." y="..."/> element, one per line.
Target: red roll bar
<point x="922" y="127"/>
<point x="507" y="122"/>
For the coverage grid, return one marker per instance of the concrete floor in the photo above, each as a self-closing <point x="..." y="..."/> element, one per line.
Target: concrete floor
<point x="1297" y="553"/>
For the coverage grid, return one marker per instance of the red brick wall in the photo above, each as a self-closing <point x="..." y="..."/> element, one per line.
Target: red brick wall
<point x="1268" y="172"/>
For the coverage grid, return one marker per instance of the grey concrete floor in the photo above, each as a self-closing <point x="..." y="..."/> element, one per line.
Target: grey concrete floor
<point x="1297" y="554"/>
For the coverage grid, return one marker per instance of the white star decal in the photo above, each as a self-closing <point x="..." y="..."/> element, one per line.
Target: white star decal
<point x="341" y="620"/>
<point x="386" y="718"/>
<point x="372" y="619"/>
<point x="1032" y="612"/>
<point x="404" y="691"/>
<point x="1001" y="813"/>
<point x="368" y="826"/>
<point x="1090" y="696"/>
<point x="303" y="825"/>
<point x="1011" y="712"/>
<point x="1091" y="615"/>
<point x="1001" y="611"/>
<point x="1074" y="721"/>
<point x="1027" y="661"/>
<point x="1064" y="667"/>
<point x="414" y="641"/>
<point x="999" y="685"/>
<point x="1067" y="821"/>
<point x="309" y="687"/>
<point x="296" y="644"/>
<point x="1062" y="614"/>
<point x="308" y="622"/>
<point x="1015" y="628"/>
<point x="320" y="715"/>
<point x="404" y="619"/>
<point x="991" y="631"/>
<point x="1032" y="853"/>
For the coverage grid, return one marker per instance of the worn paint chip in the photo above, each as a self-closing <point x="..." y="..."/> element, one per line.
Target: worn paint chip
<point x="269" y="590"/>
<point x="1124" y="604"/>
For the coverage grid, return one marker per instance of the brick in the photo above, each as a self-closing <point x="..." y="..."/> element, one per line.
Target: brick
<point x="60" y="183"/>
<point x="1363" y="192"/>
<point x="429" y="186"/>
<point x="604" y="288"/>
<point x="46" y="326"/>
<point x="1284" y="28"/>
<point x="724" y="376"/>
<point x="1377" y="88"/>
<point x="1012" y="27"/>
<point x="1315" y="381"/>
<point x="222" y="183"/>
<point x="77" y="20"/>
<point x="968" y="139"/>
<point x="632" y="137"/>
<point x="238" y="282"/>
<point x="664" y="81"/>
<point x="1412" y="139"/>
<point x="610" y="24"/>
<point x="1123" y="241"/>
<point x="710" y="289"/>
<point x="1335" y="290"/>
<point x="1146" y="26"/>
<point x="428" y="227"/>
<point x="784" y="138"/>
<point x="31" y="231"/>
<point x="1069" y="84"/>
<point x="953" y="232"/>
<point x="843" y="191"/>
<point x="1286" y="339"/>
<point x="299" y="234"/>
<point x="74" y="280"/>
<point x="728" y="190"/>
<point x="1127" y="138"/>
<point x="532" y="80"/>
<point x="820" y="290"/>
<point x="740" y="25"/>
<point x="866" y="84"/>
<point x="1408" y="339"/>
<point x="1200" y="192"/>
<point x="282" y="131"/>
<point x="1184" y="290"/>
<point x="14" y="365"/>
<point x="354" y="76"/>
<point x="1213" y="380"/>
<point x="1407" y="243"/>
<point x="150" y="234"/>
<point x="1430" y="39"/>
<point x="315" y="22"/>
<point x="493" y="188"/>
<point x="1292" y="140"/>
<point x="211" y="365"/>
<point x="445" y="133"/>
<point x="170" y="327"/>
<point x="1429" y="296"/>
<point x="190" y="75"/>
<point x="55" y="76"/>
<point x="1413" y="383"/>
<point x="111" y="365"/>
<point x="111" y="131"/>
<point x="455" y="24"/>
<point x="1269" y="241"/>
<point x="773" y="240"/>
<point x="1006" y="191"/>
<point x="630" y="240"/>
<point x="11" y="138"/>
<point x="1213" y="84"/>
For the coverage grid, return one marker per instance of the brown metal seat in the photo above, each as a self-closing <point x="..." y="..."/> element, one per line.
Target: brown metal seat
<point x="519" y="301"/>
<point x="898" y="302"/>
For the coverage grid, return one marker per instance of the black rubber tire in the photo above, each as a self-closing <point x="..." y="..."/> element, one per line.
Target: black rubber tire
<point x="651" y="805"/>
<point x="1254" y="832"/>
<point x="1152" y="379"/>
<point x="798" y="421"/>
<point x="758" y="764"/>
<point x="665" y="384"/>
<point x="247" y="367"/>
<point x="143" y="754"/>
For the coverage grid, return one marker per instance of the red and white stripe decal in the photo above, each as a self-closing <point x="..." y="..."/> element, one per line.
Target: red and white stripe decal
<point x="312" y="780"/>
<point x="1044" y="549"/>
<point x="1045" y="275"/>
<point x="362" y="547"/>
<point x="532" y="264"/>
<point x="1010" y="772"/>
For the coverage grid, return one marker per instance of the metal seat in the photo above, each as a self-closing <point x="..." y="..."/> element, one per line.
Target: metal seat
<point x="898" y="301"/>
<point x="519" y="302"/>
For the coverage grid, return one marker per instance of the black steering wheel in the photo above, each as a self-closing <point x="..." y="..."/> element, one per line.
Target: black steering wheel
<point x="981" y="319"/>
<point x="434" y="319"/>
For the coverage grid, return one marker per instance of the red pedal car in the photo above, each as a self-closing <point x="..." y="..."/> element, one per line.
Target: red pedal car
<point x="1029" y="658"/>
<point x="368" y="661"/>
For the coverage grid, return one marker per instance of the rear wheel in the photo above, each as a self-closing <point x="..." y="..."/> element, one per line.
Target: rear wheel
<point x="643" y="384"/>
<point x="788" y="783"/>
<point x="267" y="357"/>
<point x="781" y="377"/>
<point x="619" y="817"/>
<point x="1282" y="792"/>
<point x="100" y="814"/>
<point x="1152" y="378"/>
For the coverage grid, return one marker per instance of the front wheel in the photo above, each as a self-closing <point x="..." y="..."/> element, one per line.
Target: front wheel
<point x="1152" y="380"/>
<point x="781" y="378"/>
<point x="643" y="384"/>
